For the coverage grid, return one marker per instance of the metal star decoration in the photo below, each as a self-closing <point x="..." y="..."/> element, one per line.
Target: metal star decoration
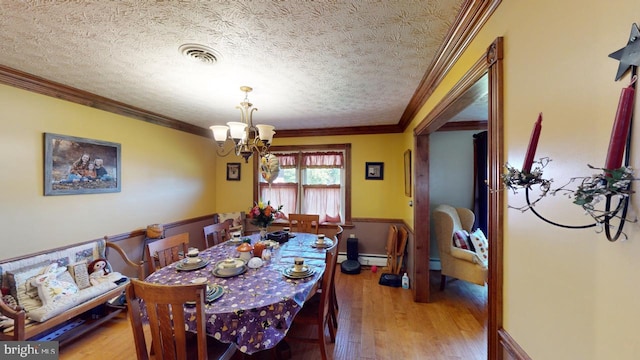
<point x="629" y="55"/>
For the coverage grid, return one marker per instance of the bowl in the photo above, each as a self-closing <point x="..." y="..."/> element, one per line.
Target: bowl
<point x="255" y="263"/>
<point x="228" y="268"/>
<point x="229" y="263"/>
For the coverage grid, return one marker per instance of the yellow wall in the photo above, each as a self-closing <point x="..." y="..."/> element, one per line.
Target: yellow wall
<point x="167" y="175"/>
<point x="369" y="198"/>
<point x="568" y="294"/>
<point x="164" y="175"/>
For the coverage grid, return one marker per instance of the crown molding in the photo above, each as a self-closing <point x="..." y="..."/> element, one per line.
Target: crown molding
<point x="473" y="15"/>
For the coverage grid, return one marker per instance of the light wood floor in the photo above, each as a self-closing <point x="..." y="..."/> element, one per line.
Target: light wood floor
<point x="376" y="322"/>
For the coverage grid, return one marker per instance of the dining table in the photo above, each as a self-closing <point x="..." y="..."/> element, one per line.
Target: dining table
<point x="255" y="308"/>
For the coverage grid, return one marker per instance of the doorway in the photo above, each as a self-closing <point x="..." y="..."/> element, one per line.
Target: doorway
<point x="491" y="65"/>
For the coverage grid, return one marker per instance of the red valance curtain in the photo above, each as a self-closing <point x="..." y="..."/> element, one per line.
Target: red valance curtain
<point x="287" y="160"/>
<point x="322" y="160"/>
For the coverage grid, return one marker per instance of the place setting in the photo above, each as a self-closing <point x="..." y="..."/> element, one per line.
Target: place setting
<point x="229" y="267"/>
<point x="236" y="238"/>
<point x="299" y="270"/>
<point x="192" y="261"/>
<point x="214" y="291"/>
<point x="321" y="242"/>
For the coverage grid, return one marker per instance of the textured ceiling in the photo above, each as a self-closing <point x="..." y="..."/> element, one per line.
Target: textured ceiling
<point x="312" y="64"/>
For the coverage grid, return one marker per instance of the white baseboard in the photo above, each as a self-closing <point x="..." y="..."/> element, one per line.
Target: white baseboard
<point x="381" y="260"/>
<point x="366" y="259"/>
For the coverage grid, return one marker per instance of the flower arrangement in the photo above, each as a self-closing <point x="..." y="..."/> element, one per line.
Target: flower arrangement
<point x="262" y="215"/>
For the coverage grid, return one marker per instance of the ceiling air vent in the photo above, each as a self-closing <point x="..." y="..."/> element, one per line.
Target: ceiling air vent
<point x="200" y="53"/>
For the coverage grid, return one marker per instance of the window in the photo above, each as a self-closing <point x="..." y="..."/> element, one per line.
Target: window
<point x="312" y="180"/>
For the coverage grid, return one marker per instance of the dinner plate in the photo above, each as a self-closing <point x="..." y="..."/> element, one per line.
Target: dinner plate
<point x="233" y="241"/>
<point x="215" y="293"/>
<point x="327" y="243"/>
<point x="183" y="265"/>
<point x="239" y="270"/>
<point x="290" y="273"/>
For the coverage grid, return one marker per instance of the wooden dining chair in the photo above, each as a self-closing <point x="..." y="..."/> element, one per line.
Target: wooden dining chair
<point x="163" y="252"/>
<point x="401" y="246"/>
<point x="392" y="240"/>
<point x="217" y="233"/>
<point x="315" y="313"/>
<point x="165" y="310"/>
<point x="334" y="297"/>
<point x="307" y="223"/>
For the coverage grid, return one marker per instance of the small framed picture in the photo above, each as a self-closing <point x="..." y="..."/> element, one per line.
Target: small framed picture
<point x="374" y="171"/>
<point x="233" y="171"/>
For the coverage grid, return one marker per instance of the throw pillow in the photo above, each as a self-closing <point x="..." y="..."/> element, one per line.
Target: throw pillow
<point x="80" y="274"/>
<point x="481" y="245"/>
<point x="10" y="301"/>
<point x="461" y="239"/>
<point x="333" y="219"/>
<point x="50" y="289"/>
<point x="20" y="285"/>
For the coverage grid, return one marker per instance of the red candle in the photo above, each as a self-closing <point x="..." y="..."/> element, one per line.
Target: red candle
<point x="620" y="130"/>
<point x="533" y="144"/>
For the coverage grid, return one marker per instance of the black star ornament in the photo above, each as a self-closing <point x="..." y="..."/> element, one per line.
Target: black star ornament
<point x="629" y="55"/>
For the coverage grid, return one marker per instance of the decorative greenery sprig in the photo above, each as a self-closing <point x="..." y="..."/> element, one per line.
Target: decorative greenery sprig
<point x="592" y="189"/>
<point x="515" y="179"/>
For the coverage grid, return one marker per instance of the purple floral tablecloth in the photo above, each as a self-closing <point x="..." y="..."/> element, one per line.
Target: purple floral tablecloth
<point x="257" y="307"/>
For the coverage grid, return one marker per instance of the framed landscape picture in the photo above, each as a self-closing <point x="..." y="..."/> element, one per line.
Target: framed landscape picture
<point x="74" y="165"/>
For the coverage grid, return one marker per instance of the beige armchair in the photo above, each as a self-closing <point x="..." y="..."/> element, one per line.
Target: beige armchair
<point x="458" y="263"/>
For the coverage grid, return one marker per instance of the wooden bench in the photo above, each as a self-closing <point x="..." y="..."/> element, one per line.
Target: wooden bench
<point x="25" y="330"/>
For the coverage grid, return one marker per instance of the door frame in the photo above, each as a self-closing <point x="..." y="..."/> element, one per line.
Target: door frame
<point x="491" y="63"/>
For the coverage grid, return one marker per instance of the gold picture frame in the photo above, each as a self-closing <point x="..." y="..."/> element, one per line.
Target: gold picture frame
<point x="407" y="173"/>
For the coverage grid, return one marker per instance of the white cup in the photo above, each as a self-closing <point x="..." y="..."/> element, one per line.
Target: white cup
<point x="286" y="229"/>
<point x="192" y="255"/>
<point x="298" y="264"/>
<point x="320" y="239"/>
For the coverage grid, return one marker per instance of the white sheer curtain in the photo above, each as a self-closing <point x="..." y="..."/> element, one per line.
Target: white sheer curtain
<point x="280" y="194"/>
<point x="324" y="201"/>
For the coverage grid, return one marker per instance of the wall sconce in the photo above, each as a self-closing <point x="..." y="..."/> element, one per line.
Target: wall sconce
<point x="613" y="183"/>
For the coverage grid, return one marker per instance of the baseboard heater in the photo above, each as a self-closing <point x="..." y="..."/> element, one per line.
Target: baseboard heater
<point x="366" y="259"/>
<point x="381" y="260"/>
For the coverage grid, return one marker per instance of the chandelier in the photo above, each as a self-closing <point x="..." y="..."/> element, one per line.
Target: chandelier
<point x="242" y="136"/>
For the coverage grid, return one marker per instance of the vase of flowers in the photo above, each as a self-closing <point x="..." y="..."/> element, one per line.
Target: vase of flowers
<point x="262" y="215"/>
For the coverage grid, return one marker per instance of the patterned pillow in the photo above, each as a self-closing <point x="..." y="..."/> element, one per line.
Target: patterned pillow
<point x="461" y="239"/>
<point x="80" y="274"/>
<point x="50" y="288"/>
<point x="20" y="285"/>
<point x="481" y="245"/>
